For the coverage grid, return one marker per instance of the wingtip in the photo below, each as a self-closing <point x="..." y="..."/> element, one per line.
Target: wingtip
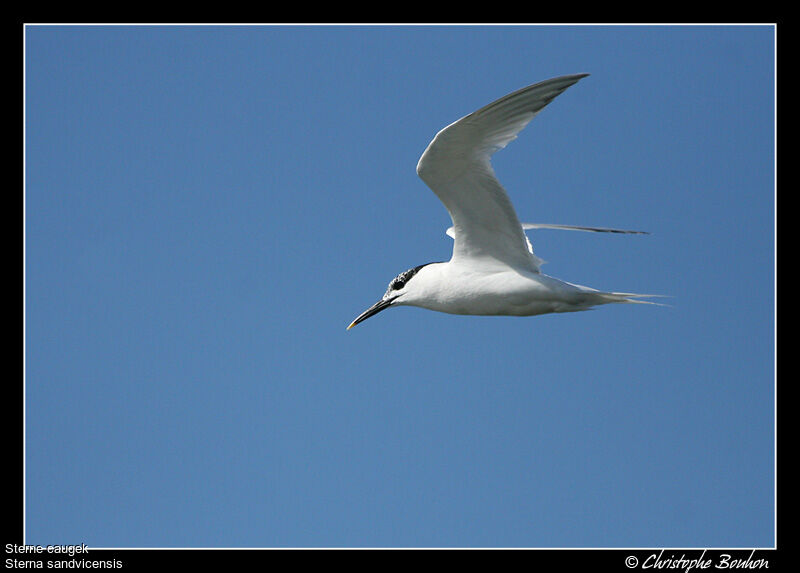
<point x="569" y="79"/>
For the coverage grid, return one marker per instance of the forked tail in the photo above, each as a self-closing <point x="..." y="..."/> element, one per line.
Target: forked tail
<point x="609" y="297"/>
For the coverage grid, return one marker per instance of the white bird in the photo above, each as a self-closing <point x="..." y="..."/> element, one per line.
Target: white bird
<point x="493" y="270"/>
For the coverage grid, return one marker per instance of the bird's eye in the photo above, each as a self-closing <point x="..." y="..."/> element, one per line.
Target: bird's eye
<point x="397" y="285"/>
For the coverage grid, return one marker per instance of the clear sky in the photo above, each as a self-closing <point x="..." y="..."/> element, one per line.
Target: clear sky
<point x="207" y="208"/>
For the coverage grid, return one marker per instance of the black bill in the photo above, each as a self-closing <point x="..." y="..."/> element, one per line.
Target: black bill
<point x="374" y="309"/>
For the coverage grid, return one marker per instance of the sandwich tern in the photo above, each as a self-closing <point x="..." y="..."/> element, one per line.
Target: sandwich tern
<point x="493" y="269"/>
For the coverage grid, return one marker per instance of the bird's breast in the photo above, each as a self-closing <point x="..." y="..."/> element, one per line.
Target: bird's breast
<point x="502" y="293"/>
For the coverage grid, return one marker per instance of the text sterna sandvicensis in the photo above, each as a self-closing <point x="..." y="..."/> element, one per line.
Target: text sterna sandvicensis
<point x="493" y="270"/>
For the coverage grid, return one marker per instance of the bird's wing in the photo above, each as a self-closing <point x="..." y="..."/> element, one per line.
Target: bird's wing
<point x="527" y="226"/>
<point x="451" y="232"/>
<point x="456" y="166"/>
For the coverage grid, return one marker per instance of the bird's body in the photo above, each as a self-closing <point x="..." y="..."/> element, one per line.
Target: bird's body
<point x="493" y="270"/>
<point x="461" y="289"/>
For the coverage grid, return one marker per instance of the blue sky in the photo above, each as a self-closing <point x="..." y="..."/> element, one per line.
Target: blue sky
<point x="207" y="208"/>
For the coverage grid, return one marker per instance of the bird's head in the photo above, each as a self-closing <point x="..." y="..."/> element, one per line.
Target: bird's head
<point x="400" y="291"/>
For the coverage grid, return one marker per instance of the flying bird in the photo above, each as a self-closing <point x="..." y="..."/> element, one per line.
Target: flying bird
<point x="493" y="269"/>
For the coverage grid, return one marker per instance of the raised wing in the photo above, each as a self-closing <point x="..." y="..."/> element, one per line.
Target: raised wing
<point x="456" y="166"/>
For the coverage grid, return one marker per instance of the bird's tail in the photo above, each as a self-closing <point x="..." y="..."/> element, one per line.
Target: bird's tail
<point x="609" y="297"/>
